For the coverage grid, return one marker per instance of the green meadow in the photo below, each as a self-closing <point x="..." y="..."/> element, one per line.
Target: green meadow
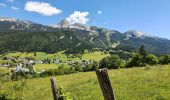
<point x="97" y="55"/>
<point x="40" y="67"/>
<point x="142" y="83"/>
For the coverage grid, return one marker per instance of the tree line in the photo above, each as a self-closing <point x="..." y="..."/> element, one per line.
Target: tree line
<point x="139" y="59"/>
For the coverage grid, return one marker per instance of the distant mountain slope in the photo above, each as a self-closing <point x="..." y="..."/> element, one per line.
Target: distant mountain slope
<point x="18" y="35"/>
<point x="152" y="44"/>
<point x="11" y="24"/>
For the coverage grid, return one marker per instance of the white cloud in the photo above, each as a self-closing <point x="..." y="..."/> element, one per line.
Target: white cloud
<point x="14" y="8"/>
<point x="3" y="5"/>
<point x="42" y="8"/>
<point x="78" y="17"/>
<point x="99" y="12"/>
<point x="10" y="0"/>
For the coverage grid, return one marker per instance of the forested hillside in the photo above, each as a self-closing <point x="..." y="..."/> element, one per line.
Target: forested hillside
<point x="26" y="36"/>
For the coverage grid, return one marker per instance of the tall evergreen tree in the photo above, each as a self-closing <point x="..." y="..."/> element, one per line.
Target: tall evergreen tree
<point x="142" y="51"/>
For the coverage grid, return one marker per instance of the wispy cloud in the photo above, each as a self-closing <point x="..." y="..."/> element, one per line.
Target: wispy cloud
<point x="42" y="8"/>
<point x="3" y="5"/>
<point x="78" y="17"/>
<point x="14" y="8"/>
<point x="99" y="12"/>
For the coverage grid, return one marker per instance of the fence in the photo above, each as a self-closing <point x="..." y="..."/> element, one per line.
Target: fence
<point x="105" y="85"/>
<point x="104" y="82"/>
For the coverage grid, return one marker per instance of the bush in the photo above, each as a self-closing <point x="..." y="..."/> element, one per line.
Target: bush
<point x="152" y="59"/>
<point x="78" y="67"/>
<point x="67" y="70"/>
<point x="62" y="95"/>
<point x="71" y="69"/>
<point x="51" y="72"/>
<point x="164" y="59"/>
<point x="21" y="75"/>
<point x="137" y="60"/>
<point x="60" y="71"/>
<point x="91" y="67"/>
<point x="122" y="54"/>
<point x="112" y="62"/>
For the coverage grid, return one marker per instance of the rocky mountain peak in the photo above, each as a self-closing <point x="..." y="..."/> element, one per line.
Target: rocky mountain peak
<point x="64" y="23"/>
<point x="135" y="33"/>
<point x="7" y="19"/>
<point x="138" y="34"/>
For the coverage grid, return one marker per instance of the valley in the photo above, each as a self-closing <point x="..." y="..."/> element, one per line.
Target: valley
<point x="84" y="50"/>
<point x="31" y="54"/>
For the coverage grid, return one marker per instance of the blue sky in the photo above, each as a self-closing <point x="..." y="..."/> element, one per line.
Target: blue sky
<point x="150" y="16"/>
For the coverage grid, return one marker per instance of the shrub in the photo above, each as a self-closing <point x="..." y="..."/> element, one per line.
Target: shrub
<point x="51" y="72"/>
<point x="137" y="60"/>
<point x="94" y="66"/>
<point x="122" y="54"/>
<point x="63" y="95"/>
<point x="91" y="67"/>
<point x="152" y="59"/>
<point x="71" y="69"/>
<point x="21" y="75"/>
<point x="67" y="70"/>
<point x="78" y="67"/>
<point x="60" y="72"/>
<point x="112" y="62"/>
<point x="164" y="59"/>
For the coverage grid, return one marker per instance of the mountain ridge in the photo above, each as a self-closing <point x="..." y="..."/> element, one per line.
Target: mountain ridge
<point x="76" y="25"/>
<point x="73" y="37"/>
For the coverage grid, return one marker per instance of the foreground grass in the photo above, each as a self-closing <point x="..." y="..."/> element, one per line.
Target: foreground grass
<point x="148" y="83"/>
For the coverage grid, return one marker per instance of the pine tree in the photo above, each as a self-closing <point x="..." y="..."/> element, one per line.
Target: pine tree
<point x="142" y="51"/>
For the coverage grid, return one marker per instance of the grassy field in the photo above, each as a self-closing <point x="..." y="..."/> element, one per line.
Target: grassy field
<point x="94" y="56"/>
<point x="40" y="67"/>
<point x="146" y="83"/>
<point x="97" y="55"/>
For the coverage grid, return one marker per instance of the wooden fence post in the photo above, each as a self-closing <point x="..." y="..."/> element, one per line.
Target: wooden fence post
<point x="105" y="84"/>
<point x="54" y="89"/>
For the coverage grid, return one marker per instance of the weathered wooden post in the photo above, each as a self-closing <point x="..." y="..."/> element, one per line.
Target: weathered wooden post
<point x="105" y="84"/>
<point x="54" y="89"/>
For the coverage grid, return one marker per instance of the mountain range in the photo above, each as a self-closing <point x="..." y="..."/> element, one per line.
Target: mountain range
<point x="27" y="36"/>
